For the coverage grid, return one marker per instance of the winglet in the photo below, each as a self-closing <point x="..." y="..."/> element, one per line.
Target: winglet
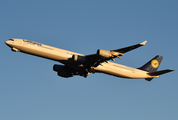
<point x="143" y="43"/>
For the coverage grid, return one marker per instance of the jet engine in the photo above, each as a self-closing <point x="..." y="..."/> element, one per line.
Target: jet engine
<point x="65" y="74"/>
<point x="104" y="53"/>
<point x="79" y="58"/>
<point x="62" y="71"/>
<point x="60" y="68"/>
<point x="15" y="49"/>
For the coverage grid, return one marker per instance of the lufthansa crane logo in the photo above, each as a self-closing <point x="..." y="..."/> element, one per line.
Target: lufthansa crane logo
<point x="154" y="63"/>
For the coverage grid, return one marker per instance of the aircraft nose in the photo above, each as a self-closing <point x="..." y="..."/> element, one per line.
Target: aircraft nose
<point x="6" y="42"/>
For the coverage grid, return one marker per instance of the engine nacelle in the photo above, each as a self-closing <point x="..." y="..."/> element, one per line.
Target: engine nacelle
<point x="65" y="74"/>
<point x="104" y="53"/>
<point x="79" y="58"/>
<point x="15" y="49"/>
<point x="60" y="68"/>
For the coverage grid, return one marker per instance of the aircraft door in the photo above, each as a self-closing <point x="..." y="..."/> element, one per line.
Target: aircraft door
<point x="20" y="42"/>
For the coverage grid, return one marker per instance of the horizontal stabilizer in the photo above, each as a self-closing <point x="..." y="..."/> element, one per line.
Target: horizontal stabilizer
<point x="160" y="72"/>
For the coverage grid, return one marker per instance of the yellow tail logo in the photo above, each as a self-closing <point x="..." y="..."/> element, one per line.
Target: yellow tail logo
<point x="154" y="63"/>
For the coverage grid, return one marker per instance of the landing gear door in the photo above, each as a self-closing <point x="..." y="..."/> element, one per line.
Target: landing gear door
<point x="24" y="42"/>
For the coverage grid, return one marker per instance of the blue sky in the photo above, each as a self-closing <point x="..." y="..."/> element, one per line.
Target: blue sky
<point x="31" y="90"/>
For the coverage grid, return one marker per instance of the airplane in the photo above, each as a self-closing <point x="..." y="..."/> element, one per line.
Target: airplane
<point x="83" y="65"/>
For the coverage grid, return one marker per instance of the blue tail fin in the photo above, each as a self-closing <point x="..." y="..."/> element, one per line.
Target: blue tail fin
<point x="152" y="65"/>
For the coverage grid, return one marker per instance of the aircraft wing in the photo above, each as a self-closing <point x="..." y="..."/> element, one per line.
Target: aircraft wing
<point x="127" y="49"/>
<point x="103" y="55"/>
<point x="94" y="60"/>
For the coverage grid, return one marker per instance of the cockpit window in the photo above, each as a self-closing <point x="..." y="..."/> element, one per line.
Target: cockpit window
<point x="11" y="39"/>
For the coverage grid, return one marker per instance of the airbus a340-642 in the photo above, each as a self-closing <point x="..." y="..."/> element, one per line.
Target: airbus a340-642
<point x="83" y="65"/>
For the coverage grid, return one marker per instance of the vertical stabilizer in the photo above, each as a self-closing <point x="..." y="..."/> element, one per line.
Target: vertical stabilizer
<point x="152" y="65"/>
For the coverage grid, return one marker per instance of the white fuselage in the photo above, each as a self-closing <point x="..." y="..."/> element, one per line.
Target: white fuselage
<point x="64" y="56"/>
